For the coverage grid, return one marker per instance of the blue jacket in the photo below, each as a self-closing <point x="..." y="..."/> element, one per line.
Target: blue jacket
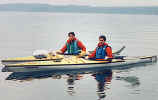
<point x="101" y="52"/>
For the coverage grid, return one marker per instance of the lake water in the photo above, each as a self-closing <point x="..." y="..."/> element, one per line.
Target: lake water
<point x="23" y="32"/>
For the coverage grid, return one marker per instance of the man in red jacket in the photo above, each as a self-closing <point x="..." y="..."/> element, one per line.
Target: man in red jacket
<point x="73" y="46"/>
<point x="102" y="51"/>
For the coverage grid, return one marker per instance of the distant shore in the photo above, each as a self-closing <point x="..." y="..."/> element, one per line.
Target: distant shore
<point x="78" y="9"/>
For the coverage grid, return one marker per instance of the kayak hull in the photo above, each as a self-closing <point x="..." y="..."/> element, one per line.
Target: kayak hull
<point x="120" y="64"/>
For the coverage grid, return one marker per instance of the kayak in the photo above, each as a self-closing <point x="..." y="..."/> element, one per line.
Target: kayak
<point x="29" y="59"/>
<point x="75" y="63"/>
<point x="47" y="58"/>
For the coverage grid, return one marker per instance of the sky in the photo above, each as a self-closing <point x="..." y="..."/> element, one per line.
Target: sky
<point x="89" y="2"/>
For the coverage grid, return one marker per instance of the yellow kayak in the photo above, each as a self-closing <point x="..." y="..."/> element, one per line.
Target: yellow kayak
<point x="75" y="63"/>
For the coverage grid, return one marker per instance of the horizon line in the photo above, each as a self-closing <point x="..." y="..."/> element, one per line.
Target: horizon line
<point x="77" y="5"/>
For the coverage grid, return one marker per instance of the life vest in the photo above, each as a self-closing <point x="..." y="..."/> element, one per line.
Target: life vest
<point x="72" y="48"/>
<point x="101" y="52"/>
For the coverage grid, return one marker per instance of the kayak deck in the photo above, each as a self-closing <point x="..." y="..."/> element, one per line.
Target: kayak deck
<point x="66" y="61"/>
<point x="47" y="58"/>
<point x="74" y="63"/>
<point x="30" y="59"/>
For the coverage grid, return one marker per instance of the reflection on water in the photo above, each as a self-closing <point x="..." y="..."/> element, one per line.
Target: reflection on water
<point x="25" y="76"/>
<point x="133" y="80"/>
<point x="103" y="79"/>
<point x="71" y="82"/>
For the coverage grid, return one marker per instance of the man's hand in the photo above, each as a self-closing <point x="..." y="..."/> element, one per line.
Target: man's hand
<point x="86" y="57"/>
<point x="59" y="52"/>
<point x="109" y="59"/>
<point x="82" y="54"/>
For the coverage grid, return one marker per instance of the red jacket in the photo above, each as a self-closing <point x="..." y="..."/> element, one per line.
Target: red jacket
<point x="108" y="51"/>
<point x="79" y="43"/>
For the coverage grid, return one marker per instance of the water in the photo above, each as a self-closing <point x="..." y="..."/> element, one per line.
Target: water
<point x="23" y="32"/>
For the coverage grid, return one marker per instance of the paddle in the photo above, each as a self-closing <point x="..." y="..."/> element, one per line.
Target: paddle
<point x="119" y="51"/>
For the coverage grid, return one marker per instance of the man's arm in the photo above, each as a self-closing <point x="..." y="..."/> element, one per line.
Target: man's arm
<point x="92" y="55"/>
<point x="63" y="49"/>
<point x="109" y="52"/>
<point x="80" y="44"/>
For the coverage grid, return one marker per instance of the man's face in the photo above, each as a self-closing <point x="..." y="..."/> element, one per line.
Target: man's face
<point x="101" y="41"/>
<point x="71" y="37"/>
